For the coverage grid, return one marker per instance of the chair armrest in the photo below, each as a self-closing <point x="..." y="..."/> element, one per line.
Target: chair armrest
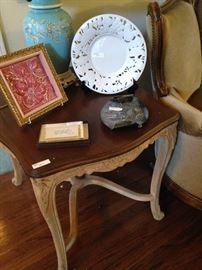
<point x="191" y="118"/>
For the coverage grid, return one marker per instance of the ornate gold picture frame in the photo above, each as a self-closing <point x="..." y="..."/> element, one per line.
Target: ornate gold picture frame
<point x="30" y="84"/>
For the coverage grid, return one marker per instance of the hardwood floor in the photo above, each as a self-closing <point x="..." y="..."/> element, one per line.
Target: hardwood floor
<point x="115" y="233"/>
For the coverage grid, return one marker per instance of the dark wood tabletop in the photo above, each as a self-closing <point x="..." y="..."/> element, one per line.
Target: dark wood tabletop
<point x="83" y="105"/>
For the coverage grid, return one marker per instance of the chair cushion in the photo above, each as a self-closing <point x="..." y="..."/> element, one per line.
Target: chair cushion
<point x="182" y="50"/>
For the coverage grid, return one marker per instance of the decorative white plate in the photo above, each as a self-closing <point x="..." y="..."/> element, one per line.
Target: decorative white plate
<point x="108" y="53"/>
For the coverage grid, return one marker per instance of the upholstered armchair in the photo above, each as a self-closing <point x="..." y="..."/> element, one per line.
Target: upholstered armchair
<point x="176" y="71"/>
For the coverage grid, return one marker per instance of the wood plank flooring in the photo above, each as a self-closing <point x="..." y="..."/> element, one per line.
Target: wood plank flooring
<point x="115" y="233"/>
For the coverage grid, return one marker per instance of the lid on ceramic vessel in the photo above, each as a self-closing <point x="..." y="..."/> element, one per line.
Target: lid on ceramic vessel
<point x="42" y="4"/>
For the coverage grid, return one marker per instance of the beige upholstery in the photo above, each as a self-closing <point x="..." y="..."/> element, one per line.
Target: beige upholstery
<point x="185" y="166"/>
<point x="176" y="69"/>
<point x="191" y="118"/>
<point x="182" y="69"/>
<point x="181" y="34"/>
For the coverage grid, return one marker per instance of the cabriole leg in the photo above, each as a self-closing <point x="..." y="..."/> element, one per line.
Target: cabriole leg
<point x="164" y="147"/>
<point x="19" y="174"/>
<point x="44" y="190"/>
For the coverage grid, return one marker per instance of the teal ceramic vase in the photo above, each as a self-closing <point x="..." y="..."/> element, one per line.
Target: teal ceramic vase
<point x="47" y="23"/>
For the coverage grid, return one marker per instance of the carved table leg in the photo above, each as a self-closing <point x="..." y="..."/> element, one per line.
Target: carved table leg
<point x="19" y="174"/>
<point x="76" y="185"/>
<point x="164" y="149"/>
<point x="44" y="190"/>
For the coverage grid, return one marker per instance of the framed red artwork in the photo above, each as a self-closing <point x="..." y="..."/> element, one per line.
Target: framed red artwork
<point x="30" y="84"/>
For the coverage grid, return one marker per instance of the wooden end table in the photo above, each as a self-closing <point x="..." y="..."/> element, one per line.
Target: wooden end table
<point x="107" y="151"/>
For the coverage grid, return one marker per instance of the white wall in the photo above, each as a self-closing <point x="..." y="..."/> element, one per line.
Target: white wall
<point x="12" y="13"/>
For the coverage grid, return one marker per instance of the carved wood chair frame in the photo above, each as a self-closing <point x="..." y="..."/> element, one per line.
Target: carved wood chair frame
<point x="156" y="57"/>
<point x="160" y="89"/>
